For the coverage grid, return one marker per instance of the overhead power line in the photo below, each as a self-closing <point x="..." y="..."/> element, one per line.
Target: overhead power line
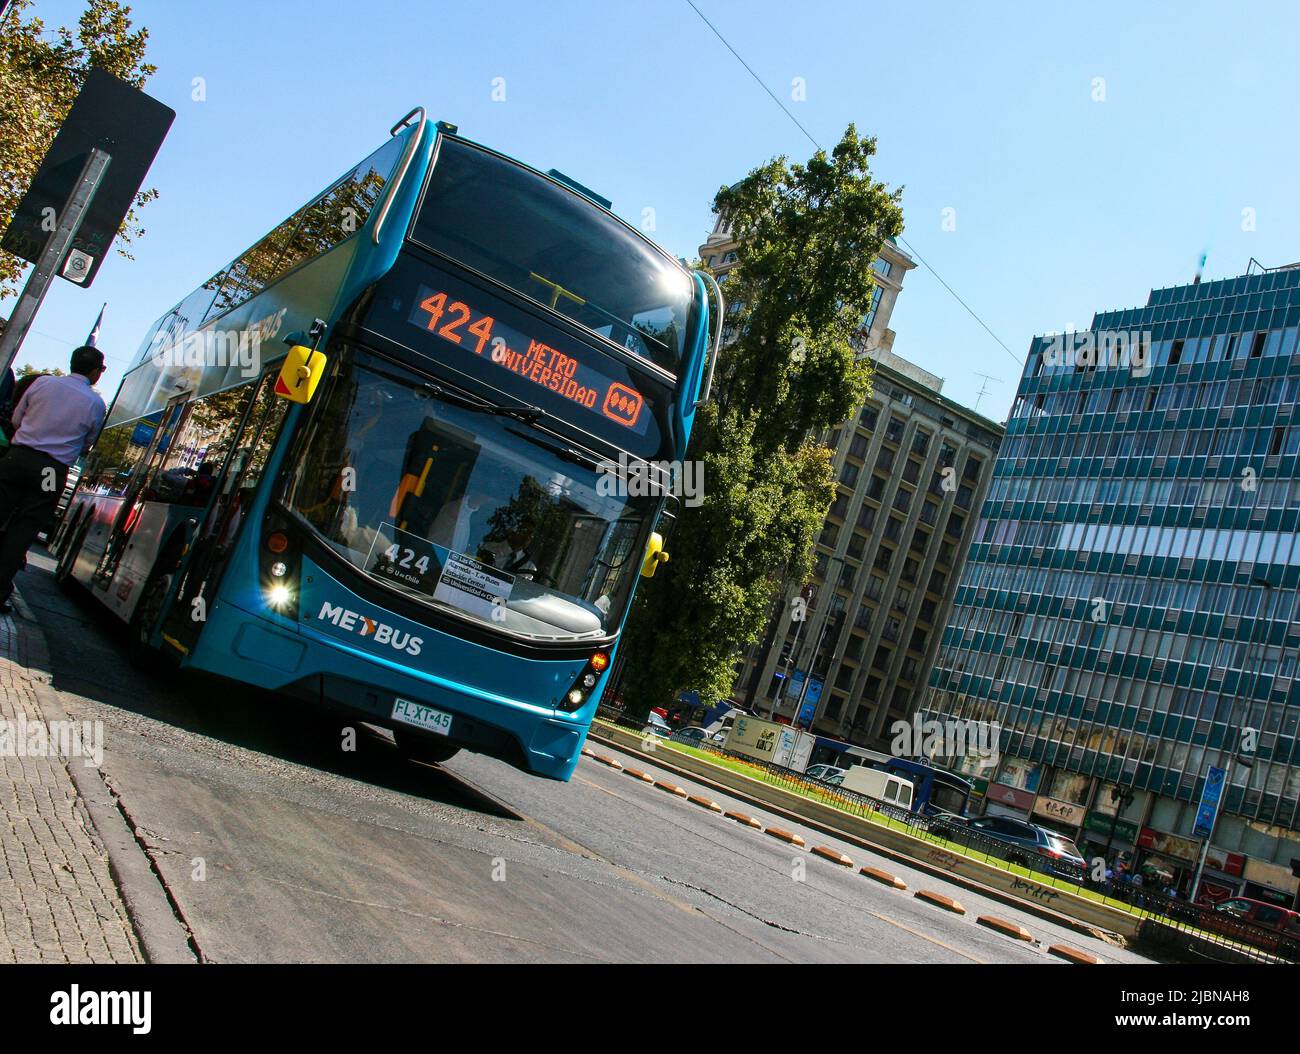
<point x="906" y="245"/>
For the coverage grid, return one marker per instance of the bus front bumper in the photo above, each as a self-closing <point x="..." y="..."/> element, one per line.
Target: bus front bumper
<point x="535" y="739"/>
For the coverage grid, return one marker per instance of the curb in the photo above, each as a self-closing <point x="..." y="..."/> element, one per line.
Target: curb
<point x="939" y="901"/>
<point x="883" y="876"/>
<point x="163" y="936"/>
<point x="1009" y="929"/>
<point x="1002" y="897"/>
<point x="1073" y="955"/>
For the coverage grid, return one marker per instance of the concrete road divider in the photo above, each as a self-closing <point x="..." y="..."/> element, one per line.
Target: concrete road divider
<point x="740" y="817"/>
<point x="637" y="774"/>
<point x="785" y="836"/>
<point x="605" y="759"/>
<point x="1010" y="929"/>
<point x="1034" y="893"/>
<point x="939" y="901"/>
<point x="671" y="788"/>
<point x="703" y="803"/>
<point x="833" y="855"/>
<point x="1073" y="955"/>
<point x="884" y="877"/>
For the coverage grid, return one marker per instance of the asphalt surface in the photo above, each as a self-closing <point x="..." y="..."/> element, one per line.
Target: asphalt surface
<point x="276" y="845"/>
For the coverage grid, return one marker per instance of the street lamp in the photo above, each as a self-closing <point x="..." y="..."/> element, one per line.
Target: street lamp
<point x="821" y="639"/>
<point x="1121" y="796"/>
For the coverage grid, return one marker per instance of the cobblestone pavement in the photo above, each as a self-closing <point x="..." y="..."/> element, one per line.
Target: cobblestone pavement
<point x="58" y="902"/>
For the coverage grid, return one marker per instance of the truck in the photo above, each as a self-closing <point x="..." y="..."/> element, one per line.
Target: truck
<point x="770" y="741"/>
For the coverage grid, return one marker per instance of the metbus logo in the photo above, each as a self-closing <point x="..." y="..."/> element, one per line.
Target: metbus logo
<point x="622" y="404"/>
<point x="368" y="627"/>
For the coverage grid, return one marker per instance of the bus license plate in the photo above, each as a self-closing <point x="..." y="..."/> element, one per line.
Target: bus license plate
<point x="420" y="716"/>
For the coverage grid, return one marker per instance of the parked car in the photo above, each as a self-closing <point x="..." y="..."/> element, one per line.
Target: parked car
<point x="1255" y="922"/>
<point x="695" y="734"/>
<point x="826" y="773"/>
<point x="656" y="726"/>
<point x="1025" y="843"/>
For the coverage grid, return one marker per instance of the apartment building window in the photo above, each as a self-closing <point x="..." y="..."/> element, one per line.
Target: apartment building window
<point x="866" y="517"/>
<point x="911" y="471"/>
<point x="875" y="587"/>
<point x="840" y="506"/>
<point x="927" y="610"/>
<point x="920" y="539"/>
<point x="857" y="545"/>
<point x="870" y="317"/>
<point x="858" y="445"/>
<point x="891" y="629"/>
<point x="881" y="658"/>
<point x="849" y="474"/>
<point x="921" y="442"/>
<point x="894" y="430"/>
<point x="829" y="536"/>
<point x="902" y="500"/>
<point x="919" y="640"/>
<point x="907" y="671"/>
<point x="885" y="460"/>
<point x="929" y="512"/>
<point x="868" y="418"/>
<point x="893" y="528"/>
<point x="884" y="557"/>
<point x="876" y="488"/>
<point x="902" y="599"/>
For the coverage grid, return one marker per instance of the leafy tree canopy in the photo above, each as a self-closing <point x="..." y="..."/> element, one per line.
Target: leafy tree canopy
<point x="40" y="75"/>
<point x="808" y="235"/>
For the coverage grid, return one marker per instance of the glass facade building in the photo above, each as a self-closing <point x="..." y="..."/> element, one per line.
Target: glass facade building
<point x="1131" y="601"/>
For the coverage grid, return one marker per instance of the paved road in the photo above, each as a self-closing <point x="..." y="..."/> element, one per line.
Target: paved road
<point x="277" y="845"/>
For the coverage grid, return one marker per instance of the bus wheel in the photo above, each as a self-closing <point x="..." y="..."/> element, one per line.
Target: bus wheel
<point x="67" y="559"/>
<point x="145" y="617"/>
<point x="421" y="748"/>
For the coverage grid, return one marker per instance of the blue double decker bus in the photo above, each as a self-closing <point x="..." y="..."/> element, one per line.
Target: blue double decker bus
<point x="379" y="461"/>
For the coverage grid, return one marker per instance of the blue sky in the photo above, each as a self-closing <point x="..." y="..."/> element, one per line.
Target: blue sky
<point x="1063" y="204"/>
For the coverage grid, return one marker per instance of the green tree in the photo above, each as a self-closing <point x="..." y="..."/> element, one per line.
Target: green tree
<point x="803" y="281"/>
<point x="27" y="369"/>
<point x="40" y="76"/>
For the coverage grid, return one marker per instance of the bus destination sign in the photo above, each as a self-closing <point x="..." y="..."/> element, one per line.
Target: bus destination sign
<point x="482" y="335"/>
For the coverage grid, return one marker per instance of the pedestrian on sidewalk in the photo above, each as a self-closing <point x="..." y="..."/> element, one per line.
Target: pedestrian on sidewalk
<point x="55" y="422"/>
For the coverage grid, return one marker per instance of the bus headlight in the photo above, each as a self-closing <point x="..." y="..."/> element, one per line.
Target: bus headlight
<point x="584" y="686"/>
<point x="278" y="596"/>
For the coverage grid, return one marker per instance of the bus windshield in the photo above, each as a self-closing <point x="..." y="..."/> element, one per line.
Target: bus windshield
<point x="470" y="511"/>
<point x="555" y="246"/>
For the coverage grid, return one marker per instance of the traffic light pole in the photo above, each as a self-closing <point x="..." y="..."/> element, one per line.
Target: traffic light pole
<point x="38" y="282"/>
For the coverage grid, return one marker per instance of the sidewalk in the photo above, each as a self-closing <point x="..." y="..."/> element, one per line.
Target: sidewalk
<point x="58" y="901"/>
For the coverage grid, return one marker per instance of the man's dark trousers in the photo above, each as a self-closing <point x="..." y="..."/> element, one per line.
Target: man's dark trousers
<point x="30" y="485"/>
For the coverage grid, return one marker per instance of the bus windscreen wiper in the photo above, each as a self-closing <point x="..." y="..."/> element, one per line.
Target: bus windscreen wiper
<point x="525" y="412"/>
<point x="564" y="453"/>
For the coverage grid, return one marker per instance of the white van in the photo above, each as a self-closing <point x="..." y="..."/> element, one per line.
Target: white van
<point x="883" y="786"/>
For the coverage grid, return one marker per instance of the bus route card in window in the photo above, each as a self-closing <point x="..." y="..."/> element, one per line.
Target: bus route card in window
<point x="473" y="587"/>
<point x="412" y="562"/>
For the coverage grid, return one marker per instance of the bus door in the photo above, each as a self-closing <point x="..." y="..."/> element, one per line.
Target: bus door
<point x="249" y="443"/>
<point x="120" y="539"/>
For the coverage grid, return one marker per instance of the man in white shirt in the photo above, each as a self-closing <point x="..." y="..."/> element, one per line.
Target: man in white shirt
<point x="56" y="421"/>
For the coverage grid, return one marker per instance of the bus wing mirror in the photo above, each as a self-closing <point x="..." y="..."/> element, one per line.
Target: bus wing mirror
<point x="654" y="555"/>
<point x="301" y="372"/>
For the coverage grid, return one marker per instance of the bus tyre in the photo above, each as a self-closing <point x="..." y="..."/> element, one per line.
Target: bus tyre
<point x="69" y="551"/>
<point x="422" y="748"/>
<point x="142" y="653"/>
